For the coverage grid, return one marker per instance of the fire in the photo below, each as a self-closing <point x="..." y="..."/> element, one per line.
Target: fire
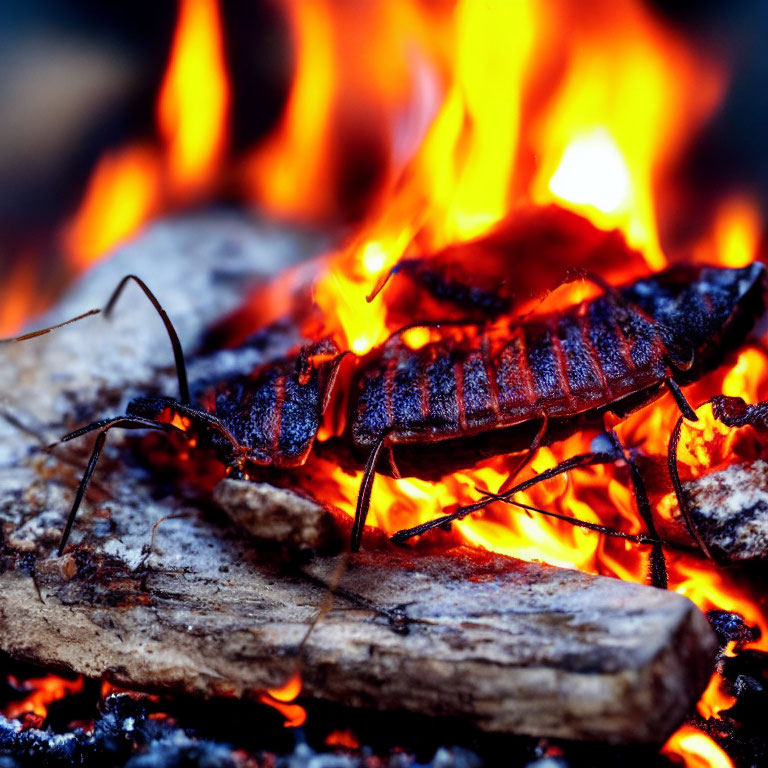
<point x="714" y="700"/>
<point x="618" y="117"/>
<point x="464" y="114"/>
<point x="303" y="135"/>
<point x="194" y="98"/>
<point x="737" y="231"/>
<point x="696" y="749"/>
<point x="590" y="100"/>
<point x="279" y="698"/>
<point x="18" y="299"/>
<point x="44" y="691"/>
<point x="131" y="185"/>
<point x="345" y="739"/>
<point x="353" y="94"/>
<point x="121" y="196"/>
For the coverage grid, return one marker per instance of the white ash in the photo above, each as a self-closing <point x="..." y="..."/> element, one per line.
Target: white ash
<point x="730" y="510"/>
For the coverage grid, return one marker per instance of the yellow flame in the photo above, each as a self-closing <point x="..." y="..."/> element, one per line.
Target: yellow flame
<point x="121" y="195"/>
<point x="194" y="97"/>
<point x="738" y="228"/>
<point x="616" y="120"/>
<point x="495" y="42"/>
<point x="696" y="749"/>
<point x="593" y="172"/>
<point x="744" y="378"/>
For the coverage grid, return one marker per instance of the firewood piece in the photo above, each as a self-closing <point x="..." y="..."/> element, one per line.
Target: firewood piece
<point x="510" y="646"/>
<point x="277" y="515"/>
<point x="730" y="510"/>
<point x="156" y="592"/>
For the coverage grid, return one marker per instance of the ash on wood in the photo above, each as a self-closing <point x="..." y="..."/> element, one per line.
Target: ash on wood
<point x="278" y="515"/>
<point x="729" y="508"/>
<point x="156" y="592"/>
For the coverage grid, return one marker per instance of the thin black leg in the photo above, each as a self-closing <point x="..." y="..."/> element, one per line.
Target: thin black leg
<point x="682" y="502"/>
<point x="682" y="402"/>
<point x="576" y="462"/>
<point x="364" y="495"/>
<point x="105" y="426"/>
<point x="657" y="563"/>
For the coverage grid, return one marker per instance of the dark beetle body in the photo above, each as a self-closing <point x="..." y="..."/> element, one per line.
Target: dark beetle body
<point x="611" y="353"/>
<point x="453" y="402"/>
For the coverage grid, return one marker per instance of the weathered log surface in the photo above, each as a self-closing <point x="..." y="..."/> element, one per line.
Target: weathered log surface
<point x="190" y="604"/>
<point x="729" y="508"/>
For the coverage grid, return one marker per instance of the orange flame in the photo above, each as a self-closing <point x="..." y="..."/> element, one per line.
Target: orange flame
<point x="696" y="749"/>
<point x="194" y="98"/>
<point x="715" y="699"/>
<point x="294" y="165"/>
<point x="279" y="698"/>
<point x="472" y="111"/>
<point x="45" y="691"/>
<point x="121" y="195"/>
<point x="738" y="228"/>
<point x="618" y="117"/>
<point x="345" y="739"/>
<point x="595" y="106"/>
<point x="18" y="297"/>
<point x="132" y="184"/>
<point x="353" y="93"/>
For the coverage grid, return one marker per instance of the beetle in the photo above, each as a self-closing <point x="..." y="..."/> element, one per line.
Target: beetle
<point x="504" y="388"/>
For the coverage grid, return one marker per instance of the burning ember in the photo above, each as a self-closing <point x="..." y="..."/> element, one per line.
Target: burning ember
<point x="495" y="149"/>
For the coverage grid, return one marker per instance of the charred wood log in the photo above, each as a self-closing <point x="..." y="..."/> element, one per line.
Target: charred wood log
<point x="158" y="592"/>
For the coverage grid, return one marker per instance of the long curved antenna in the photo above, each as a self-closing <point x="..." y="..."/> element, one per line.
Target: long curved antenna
<point x="178" y="354"/>
<point x="43" y="331"/>
<point x="126" y="422"/>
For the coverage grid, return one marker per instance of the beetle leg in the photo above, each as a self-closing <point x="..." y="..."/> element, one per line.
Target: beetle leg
<point x="682" y="503"/>
<point x="731" y="411"/>
<point x="178" y="354"/>
<point x="576" y="462"/>
<point x="680" y="399"/>
<point x="125" y="422"/>
<point x="532" y="448"/>
<point x="610" y="450"/>
<point x="364" y="495"/>
<point x="658" y="565"/>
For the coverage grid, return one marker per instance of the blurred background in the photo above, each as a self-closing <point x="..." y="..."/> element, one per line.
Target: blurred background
<point x="314" y="112"/>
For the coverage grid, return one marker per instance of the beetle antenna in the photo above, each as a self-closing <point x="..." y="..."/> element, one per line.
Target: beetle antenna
<point x="43" y="331"/>
<point x="178" y="354"/>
